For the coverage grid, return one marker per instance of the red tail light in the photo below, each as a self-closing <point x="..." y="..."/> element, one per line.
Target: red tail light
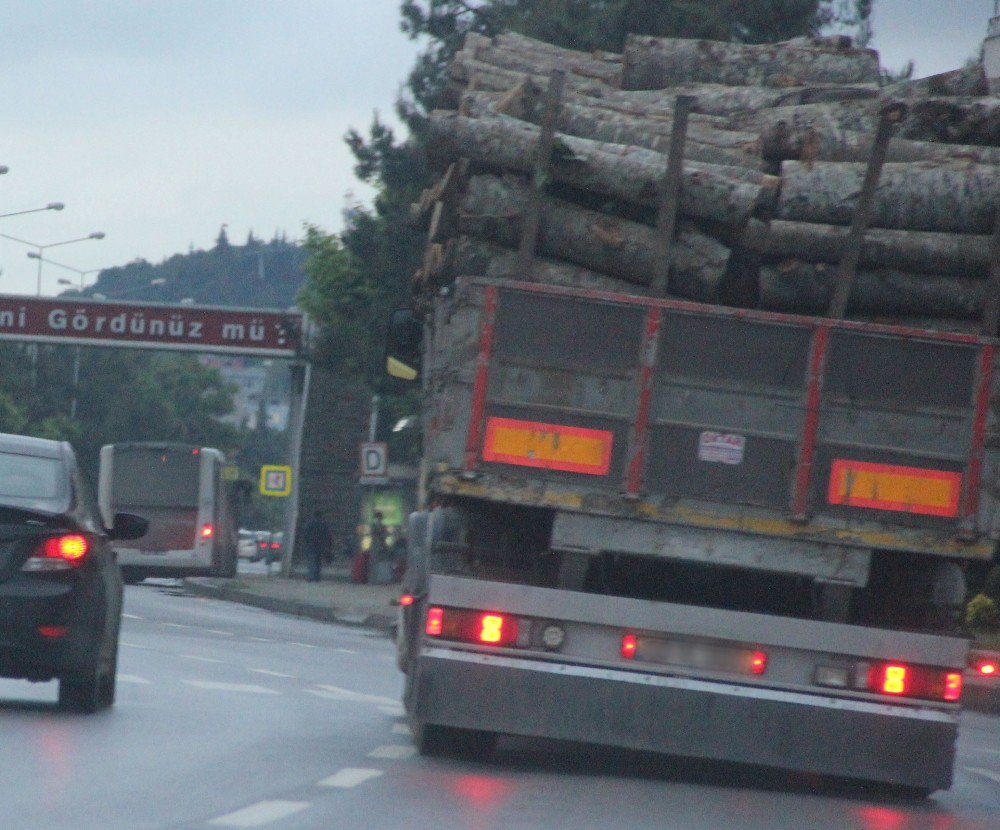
<point x="629" y="644"/>
<point x="900" y="680"/>
<point x="275" y="545"/>
<point x="207" y="531"/>
<point x="406" y="599"/>
<point x="953" y="686"/>
<point x="894" y="680"/>
<point x="758" y="662"/>
<point x="435" y="622"/>
<point x="58" y="553"/>
<point x="985" y="667"/>
<point x="491" y="628"/>
<point x="53" y="632"/>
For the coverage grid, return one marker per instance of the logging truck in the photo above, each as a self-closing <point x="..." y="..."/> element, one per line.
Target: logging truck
<point x="703" y="531"/>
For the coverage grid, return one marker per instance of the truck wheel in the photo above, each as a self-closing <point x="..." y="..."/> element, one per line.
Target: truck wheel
<point x="449" y="741"/>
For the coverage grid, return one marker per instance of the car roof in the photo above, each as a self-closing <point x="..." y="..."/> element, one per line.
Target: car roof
<point x="28" y="445"/>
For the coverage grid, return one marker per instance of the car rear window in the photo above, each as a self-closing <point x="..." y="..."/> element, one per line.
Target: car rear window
<point x="30" y="477"/>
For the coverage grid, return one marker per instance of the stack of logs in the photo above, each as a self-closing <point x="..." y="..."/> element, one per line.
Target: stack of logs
<point x="775" y="151"/>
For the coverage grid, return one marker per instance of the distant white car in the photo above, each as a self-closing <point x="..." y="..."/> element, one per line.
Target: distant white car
<point x="247" y="547"/>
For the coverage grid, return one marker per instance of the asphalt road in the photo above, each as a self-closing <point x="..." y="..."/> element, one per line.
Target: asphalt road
<point x="232" y="717"/>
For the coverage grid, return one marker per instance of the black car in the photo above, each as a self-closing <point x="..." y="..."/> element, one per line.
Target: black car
<point x="60" y="586"/>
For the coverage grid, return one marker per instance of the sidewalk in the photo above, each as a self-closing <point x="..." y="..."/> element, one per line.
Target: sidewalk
<point x="334" y="599"/>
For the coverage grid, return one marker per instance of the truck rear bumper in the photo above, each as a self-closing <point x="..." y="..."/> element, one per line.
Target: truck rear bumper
<point x="898" y="745"/>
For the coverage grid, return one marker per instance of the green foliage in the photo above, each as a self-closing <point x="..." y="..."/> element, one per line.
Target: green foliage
<point x="982" y="614"/>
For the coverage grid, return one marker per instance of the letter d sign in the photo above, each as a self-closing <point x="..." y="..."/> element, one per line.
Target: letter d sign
<point x="374" y="460"/>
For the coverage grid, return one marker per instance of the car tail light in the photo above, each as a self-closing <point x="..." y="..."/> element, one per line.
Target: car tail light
<point x="275" y="545"/>
<point x="406" y="599"/>
<point x="207" y="531"/>
<point x="985" y="667"/>
<point x="905" y="681"/>
<point x="479" y="627"/>
<point x="53" y="632"/>
<point x="58" y="553"/>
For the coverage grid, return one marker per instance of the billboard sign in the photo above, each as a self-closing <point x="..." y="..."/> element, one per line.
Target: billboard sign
<point x="261" y="332"/>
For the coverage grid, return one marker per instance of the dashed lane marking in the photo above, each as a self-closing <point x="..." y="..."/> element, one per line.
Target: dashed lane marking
<point x="393" y="752"/>
<point x="132" y="678"/>
<point x="231" y="687"/>
<point x="132" y="645"/>
<point x="984" y="773"/>
<point x="175" y="625"/>
<point x="219" y="632"/>
<point x="302" y="645"/>
<point x="401" y="729"/>
<point x="261" y="813"/>
<point x="270" y="673"/>
<point x="345" y="651"/>
<point x="350" y="777"/>
<point x="200" y="659"/>
<point x="261" y="639"/>
<point x="337" y="693"/>
<point x="132" y="617"/>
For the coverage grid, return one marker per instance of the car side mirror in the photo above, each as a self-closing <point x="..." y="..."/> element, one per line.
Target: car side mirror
<point x="128" y="526"/>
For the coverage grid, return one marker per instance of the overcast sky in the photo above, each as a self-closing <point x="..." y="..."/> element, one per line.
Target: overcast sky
<point x="158" y="121"/>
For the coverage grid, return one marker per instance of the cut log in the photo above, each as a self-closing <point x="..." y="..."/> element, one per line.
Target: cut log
<point x="631" y="174"/>
<point x="911" y="251"/>
<point x="954" y="120"/>
<point x="857" y="116"/>
<point x="524" y="54"/>
<point x="705" y="143"/>
<point x="476" y="257"/>
<point x="801" y="142"/>
<point x="967" y="81"/>
<point x="922" y="197"/>
<point x="493" y="210"/>
<point x="806" y="288"/>
<point x="657" y="63"/>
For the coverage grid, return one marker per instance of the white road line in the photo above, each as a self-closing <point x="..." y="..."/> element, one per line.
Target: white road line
<point x="231" y="687"/>
<point x="131" y="617"/>
<point x="257" y="815"/>
<point x="303" y="645"/>
<point x="401" y="729"/>
<point x="393" y="752"/>
<point x="350" y="777"/>
<point x="337" y="693"/>
<point x="132" y="678"/>
<point x="217" y="631"/>
<point x="270" y="673"/>
<point x="132" y="645"/>
<point x="261" y="639"/>
<point x="345" y="651"/>
<point x="175" y="625"/>
<point x="201" y="659"/>
<point x="985" y="773"/>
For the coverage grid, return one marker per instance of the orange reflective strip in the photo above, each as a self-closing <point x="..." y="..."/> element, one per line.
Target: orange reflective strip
<point x="890" y="487"/>
<point x="551" y="446"/>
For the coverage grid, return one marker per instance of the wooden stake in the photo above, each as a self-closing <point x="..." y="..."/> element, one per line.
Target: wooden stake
<point x="889" y="118"/>
<point x="669" y="195"/>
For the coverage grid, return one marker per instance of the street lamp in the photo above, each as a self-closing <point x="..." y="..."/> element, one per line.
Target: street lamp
<point x="49" y="206"/>
<point x="38" y="254"/>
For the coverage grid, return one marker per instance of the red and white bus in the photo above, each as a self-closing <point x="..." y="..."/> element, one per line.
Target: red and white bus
<point x="192" y="513"/>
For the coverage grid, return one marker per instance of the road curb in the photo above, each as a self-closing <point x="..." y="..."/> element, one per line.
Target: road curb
<point x="383" y="622"/>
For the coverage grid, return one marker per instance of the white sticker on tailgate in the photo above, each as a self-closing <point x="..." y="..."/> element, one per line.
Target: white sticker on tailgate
<point x="720" y="448"/>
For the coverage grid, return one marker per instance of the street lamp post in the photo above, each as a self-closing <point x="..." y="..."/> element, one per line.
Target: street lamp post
<point x="41" y="248"/>
<point x="49" y="206"/>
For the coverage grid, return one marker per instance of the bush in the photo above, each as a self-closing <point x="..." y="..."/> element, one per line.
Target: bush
<point x="982" y="614"/>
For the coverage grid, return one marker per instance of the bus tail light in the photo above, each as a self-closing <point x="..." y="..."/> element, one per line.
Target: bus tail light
<point x="58" y="553"/>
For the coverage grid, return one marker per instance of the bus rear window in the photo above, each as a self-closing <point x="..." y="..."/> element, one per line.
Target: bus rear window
<point x="155" y="478"/>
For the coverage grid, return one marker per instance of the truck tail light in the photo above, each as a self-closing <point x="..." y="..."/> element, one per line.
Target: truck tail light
<point x="629" y="645"/>
<point x="207" y="531"/>
<point x="435" y="622"/>
<point x="58" y="553"/>
<point x="479" y="627"/>
<point x="985" y="667"/>
<point x="758" y="662"/>
<point x="900" y="680"/>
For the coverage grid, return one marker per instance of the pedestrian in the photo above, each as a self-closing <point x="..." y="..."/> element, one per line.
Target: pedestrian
<point x="316" y="536"/>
